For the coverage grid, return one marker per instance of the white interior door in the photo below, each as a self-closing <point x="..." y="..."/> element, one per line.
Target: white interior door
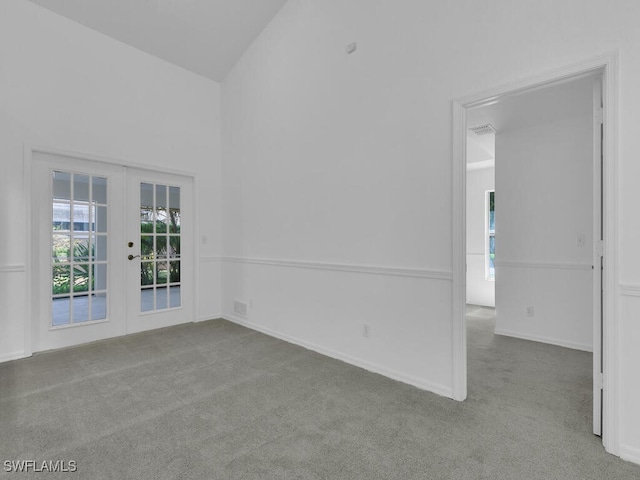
<point x="86" y="213"/>
<point x="598" y="265"/>
<point x="160" y="246"/>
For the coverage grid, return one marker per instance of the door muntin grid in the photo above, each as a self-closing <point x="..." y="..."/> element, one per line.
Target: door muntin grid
<point x="78" y="248"/>
<point x="160" y="239"/>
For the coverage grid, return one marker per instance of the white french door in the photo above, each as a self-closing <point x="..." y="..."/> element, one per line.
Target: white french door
<point x="159" y="250"/>
<point x="89" y="217"/>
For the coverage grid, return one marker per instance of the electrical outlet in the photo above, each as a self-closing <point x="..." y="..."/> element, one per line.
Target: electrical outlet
<point x="366" y="330"/>
<point x="529" y="311"/>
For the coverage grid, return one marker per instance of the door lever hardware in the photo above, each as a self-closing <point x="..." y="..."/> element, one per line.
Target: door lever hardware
<point x="131" y="257"/>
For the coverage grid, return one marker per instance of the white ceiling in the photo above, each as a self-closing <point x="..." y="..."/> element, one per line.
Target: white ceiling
<point x="566" y="99"/>
<point x="204" y="36"/>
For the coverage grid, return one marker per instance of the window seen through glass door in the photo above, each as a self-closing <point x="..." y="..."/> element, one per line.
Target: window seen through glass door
<point x="491" y="236"/>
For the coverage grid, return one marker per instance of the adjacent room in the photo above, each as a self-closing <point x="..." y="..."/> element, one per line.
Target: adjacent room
<point x="530" y="272"/>
<point x="319" y="239"/>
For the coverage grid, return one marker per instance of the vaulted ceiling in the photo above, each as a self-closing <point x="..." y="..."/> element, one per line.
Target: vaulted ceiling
<point x="204" y="36"/>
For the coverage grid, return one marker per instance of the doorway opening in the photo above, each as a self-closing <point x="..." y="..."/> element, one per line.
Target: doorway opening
<point x="481" y="219"/>
<point x="545" y="169"/>
<point x="529" y="254"/>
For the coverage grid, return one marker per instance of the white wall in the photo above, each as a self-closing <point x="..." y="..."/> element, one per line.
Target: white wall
<point x="346" y="159"/>
<point x="480" y="291"/>
<point x="66" y="87"/>
<point x="544" y="176"/>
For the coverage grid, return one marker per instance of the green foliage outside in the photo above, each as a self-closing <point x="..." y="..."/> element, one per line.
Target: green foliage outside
<point x="162" y="250"/>
<point x="61" y="273"/>
<point x="82" y="279"/>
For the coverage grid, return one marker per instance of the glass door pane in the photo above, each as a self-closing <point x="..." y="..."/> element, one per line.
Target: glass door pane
<point x="160" y="218"/>
<point x="78" y="248"/>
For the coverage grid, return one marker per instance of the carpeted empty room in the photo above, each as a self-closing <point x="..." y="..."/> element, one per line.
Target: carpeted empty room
<point x="240" y="236"/>
<point x="215" y="400"/>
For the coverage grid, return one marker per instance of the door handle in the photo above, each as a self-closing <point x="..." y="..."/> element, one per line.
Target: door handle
<point x="131" y="257"/>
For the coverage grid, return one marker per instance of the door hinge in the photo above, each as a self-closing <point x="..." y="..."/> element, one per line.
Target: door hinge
<point x="598" y="381"/>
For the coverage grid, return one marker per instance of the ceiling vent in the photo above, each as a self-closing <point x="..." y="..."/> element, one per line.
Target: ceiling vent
<point x="485" y="129"/>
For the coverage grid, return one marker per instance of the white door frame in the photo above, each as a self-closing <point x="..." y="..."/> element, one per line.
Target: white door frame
<point x="608" y="66"/>
<point x="30" y="205"/>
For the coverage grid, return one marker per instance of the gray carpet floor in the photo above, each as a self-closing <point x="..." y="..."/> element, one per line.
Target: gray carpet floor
<point x="214" y="400"/>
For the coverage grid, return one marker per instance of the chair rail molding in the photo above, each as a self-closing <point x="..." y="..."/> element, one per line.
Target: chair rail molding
<point x="629" y="290"/>
<point x="546" y="265"/>
<point x="210" y="259"/>
<point x="13" y="268"/>
<point x="340" y="267"/>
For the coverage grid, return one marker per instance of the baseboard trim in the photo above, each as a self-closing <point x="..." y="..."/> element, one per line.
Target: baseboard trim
<point x="338" y="267"/>
<point x="491" y="163"/>
<point x="541" y="339"/>
<point x="480" y="304"/>
<point x="369" y="366"/>
<point x="548" y="265"/>
<point x="206" y="318"/>
<point x="630" y="454"/>
<point x="12" y="356"/>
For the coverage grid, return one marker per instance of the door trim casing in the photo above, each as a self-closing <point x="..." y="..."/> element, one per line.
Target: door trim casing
<point x="608" y="66"/>
<point x="28" y="154"/>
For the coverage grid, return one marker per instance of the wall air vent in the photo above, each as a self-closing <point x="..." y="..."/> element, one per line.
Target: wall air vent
<point x="240" y="308"/>
<point x="485" y="129"/>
